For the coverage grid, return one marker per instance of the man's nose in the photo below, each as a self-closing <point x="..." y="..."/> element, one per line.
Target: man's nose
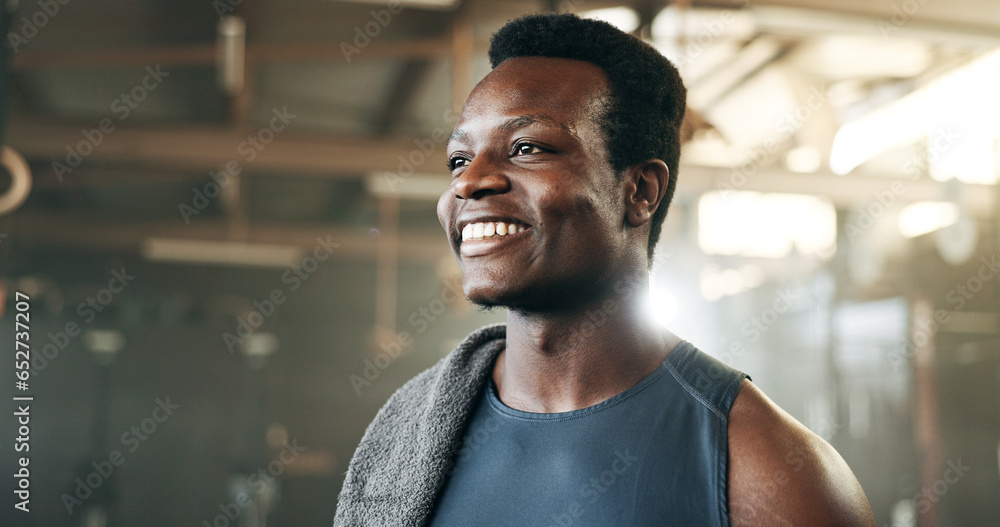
<point x="481" y="178"/>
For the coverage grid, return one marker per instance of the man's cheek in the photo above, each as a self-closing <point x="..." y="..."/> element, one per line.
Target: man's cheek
<point x="443" y="207"/>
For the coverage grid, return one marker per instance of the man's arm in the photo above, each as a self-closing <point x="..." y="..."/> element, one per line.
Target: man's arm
<point x="780" y="473"/>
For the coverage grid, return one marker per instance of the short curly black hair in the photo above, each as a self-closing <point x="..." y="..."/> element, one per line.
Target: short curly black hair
<point x="647" y="105"/>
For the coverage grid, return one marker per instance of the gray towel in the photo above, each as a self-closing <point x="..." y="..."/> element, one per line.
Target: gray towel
<point x="401" y="465"/>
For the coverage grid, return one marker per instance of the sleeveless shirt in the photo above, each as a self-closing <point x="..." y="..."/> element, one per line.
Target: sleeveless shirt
<point x="655" y="454"/>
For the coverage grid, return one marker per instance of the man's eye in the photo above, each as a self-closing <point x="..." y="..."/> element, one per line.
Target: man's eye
<point x="457" y="162"/>
<point x="524" y="149"/>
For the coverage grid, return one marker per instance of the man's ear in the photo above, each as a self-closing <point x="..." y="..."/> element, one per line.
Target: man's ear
<point x="645" y="187"/>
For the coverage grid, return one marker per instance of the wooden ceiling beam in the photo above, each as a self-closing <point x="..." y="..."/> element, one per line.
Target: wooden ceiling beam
<point x="99" y="234"/>
<point x="848" y="191"/>
<point x="197" y="149"/>
<point x="205" y="54"/>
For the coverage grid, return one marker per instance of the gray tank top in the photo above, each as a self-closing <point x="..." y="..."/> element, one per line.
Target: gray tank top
<point x="655" y="454"/>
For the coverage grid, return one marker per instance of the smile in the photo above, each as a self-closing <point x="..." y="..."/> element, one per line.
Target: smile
<point x="490" y="229"/>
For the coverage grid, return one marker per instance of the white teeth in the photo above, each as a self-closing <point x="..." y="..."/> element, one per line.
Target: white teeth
<point x="473" y="231"/>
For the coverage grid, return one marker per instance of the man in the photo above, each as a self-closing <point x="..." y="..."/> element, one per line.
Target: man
<point x="579" y="411"/>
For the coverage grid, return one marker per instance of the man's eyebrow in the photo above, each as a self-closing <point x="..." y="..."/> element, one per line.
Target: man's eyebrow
<point x="458" y="135"/>
<point x="516" y="123"/>
<point x="522" y="121"/>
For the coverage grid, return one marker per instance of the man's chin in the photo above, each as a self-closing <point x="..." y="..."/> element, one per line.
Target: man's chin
<point x="554" y="297"/>
<point x="488" y="309"/>
<point x="490" y="297"/>
<point x="488" y="302"/>
<point x="521" y="301"/>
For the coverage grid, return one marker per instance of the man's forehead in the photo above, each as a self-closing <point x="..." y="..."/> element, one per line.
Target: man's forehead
<point x="535" y="90"/>
<point x="543" y="81"/>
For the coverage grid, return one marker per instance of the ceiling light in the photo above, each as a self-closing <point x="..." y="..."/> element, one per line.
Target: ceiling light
<point x="221" y="252"/>
<point x="767" y="225"/>
<point x="962" y="102"/>
<point x="717" y="282"/>
<point x="804" y="159"/>
<point x="703" y="26"/>
<point x="104" y="341"/>
<point x="414" y="186"/>
<point x="970" y="159"/>
<point x="231" y="54"/>
<point x="261" y="344"/>
<point x="926" y="216"/>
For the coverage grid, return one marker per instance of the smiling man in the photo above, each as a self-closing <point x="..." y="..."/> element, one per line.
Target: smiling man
<point x="579" y="411"/>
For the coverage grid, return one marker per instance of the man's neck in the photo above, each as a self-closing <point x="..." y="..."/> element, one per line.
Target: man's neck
<point x="575" y="359"/>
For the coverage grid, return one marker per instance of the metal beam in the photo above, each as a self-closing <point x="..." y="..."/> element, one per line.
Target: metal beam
<point x="750" y="61"/>
<point x="408" y="81"/>
<point x="98" y="234"/>
<point x="205" y="54"/>
<point x="204" y="149"/>
<point x="843" y="191"/>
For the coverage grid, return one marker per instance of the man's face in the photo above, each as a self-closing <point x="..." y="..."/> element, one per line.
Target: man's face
<point x="528" y="152"/>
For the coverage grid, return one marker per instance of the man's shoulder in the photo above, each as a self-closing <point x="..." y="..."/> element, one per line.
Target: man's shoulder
<point x="711" y="382"/>
<point x="781" y="473"/>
